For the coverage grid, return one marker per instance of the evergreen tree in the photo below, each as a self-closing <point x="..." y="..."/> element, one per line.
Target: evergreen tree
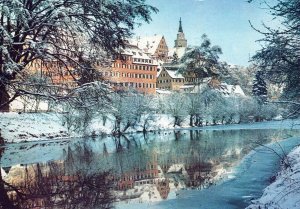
<point x="203" y="61"/>
<point x="259" y="88"/>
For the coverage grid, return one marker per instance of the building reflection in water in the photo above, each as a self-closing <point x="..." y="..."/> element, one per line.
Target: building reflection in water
<point x="134" y="167"/>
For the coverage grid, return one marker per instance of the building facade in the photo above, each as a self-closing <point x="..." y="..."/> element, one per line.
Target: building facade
<point x="169" y="80"/>
<point x="134" y="69"/>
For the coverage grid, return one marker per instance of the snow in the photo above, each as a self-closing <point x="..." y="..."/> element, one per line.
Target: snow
<point x="231" y="90"/>
<point x="180" y="51"/>
<point x="25" y="127"/>
<point x="31" y="127"/>
<point x="284" y="192"/>
<point x="147" y="43"/>
<point x="46" y="126"/>
<point x="174" y="73"/>
<point x="163" y="91"/>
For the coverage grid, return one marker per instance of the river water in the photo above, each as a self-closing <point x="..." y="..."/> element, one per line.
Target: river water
<point x="163" y="169"/>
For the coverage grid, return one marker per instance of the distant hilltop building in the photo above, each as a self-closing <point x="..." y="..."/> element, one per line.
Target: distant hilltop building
<point x="180" y="42"/>
<point x="180" y="45"/>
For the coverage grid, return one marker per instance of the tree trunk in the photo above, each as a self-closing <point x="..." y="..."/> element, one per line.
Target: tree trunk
<point x="4" y="99"/>
<point x="191" y="120"/>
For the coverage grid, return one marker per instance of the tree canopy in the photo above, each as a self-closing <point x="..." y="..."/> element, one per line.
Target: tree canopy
<point x="280" y="53"/>
<point x="69" y="31"/>
<point x="203" y="60"/>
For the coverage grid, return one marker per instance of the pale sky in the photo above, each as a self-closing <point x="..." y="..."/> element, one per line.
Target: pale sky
<point x="224" y="21"/>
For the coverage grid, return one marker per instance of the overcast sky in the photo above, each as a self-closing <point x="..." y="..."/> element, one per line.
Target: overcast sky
<point x="224" y="21"/>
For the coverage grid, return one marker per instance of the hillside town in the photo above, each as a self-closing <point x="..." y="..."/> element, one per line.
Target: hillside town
<point x="146" y="65"/>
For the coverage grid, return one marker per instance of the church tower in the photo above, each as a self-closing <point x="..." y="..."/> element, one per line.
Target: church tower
<point x="180" y="41"/>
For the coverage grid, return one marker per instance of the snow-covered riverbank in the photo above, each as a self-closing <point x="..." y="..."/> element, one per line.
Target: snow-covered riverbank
<point x="48" y="126"/>
<point x="16" y="128"/>
<point x="284" y="191"/>
<point x="24" y="127"/>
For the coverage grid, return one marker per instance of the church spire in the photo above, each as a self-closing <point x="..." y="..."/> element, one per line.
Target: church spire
<point x="180" y="26"/>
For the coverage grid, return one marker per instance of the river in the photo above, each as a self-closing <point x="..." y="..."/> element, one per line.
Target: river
<point x="207" y="168"/>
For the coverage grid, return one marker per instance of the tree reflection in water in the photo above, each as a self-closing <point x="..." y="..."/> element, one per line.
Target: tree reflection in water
<point x="95" y="173"/>
<point x="59" y="185"/>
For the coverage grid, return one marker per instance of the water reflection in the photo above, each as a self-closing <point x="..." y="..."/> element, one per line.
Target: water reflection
<point x="54" y="185"/>
<point x="94" y="173"/>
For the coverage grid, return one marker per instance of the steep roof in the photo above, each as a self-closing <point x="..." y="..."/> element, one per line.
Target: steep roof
<point x="135" y="52"/>
<point x="173" y="72"/>
<point x="148" y="43"/>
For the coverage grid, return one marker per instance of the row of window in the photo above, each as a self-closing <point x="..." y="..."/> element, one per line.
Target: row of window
<point x="142" y="60"/>
<point x="124" y="57"/>
<point x="129" y="75"/>
<point x="133" y="67"/>
<point x="135" y="85"/>
<point x="170" y="80"/>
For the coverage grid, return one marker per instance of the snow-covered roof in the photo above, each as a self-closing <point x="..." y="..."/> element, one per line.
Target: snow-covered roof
<point x="135" y="52"/>
<point x="162" y="91"/>
<point x="224" y="88"/>
<point x="180" y="51"/>
<point x="171" y="52"/>
<point x="187" y="87"/>
<point x="148" y="43"/>
<point x="174" y="74"/>
<point x="230" y="90"/>
<point x="159" y="70"/>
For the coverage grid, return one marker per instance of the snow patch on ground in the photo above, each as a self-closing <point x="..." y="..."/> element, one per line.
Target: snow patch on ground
<point x="31" y="127"/>
<point x="284" y="191"/>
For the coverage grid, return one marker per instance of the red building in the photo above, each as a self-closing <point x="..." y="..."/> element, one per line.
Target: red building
<point x="134" y="69"/>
